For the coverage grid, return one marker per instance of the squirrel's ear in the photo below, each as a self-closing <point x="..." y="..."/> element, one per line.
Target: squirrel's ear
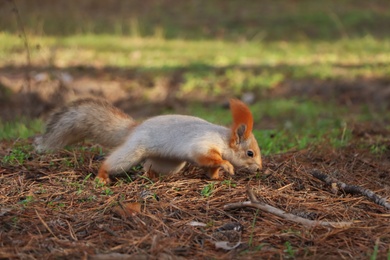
<point x="242" y="121"/>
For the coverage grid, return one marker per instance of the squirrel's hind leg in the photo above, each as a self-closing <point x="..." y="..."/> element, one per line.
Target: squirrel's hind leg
<point x="121" y="160"/>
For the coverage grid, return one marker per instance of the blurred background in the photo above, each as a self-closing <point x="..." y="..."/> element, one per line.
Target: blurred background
<point x="286" y="20"/>
<point x="311" y="70"/>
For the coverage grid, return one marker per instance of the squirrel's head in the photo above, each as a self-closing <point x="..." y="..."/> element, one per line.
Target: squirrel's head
<point x="242" y="141"/>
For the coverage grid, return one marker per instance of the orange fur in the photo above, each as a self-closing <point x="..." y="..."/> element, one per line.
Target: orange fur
<point x="213" y="160"/>
<point x="152" y="174"/>
<point x="213" y="173"/>
<point x="241" y="116"/>
<point x="119" y="113"/>
<point x="103" y="175"/>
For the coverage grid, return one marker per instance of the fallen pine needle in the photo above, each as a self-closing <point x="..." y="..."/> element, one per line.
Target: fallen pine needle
<point x="44" y="223"/>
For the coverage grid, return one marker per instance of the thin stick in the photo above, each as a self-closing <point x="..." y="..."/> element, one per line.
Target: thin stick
<point x="71" y="231"/>
<point x="352" y="189"/>
<point x="44" y="223"/>
<point x="255" y="203"/>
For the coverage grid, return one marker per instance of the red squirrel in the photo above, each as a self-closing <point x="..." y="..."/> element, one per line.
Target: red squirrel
<point x="163" y="143"/>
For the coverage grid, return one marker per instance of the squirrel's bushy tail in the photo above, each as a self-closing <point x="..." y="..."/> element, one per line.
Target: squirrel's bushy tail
<point x="92" y="119"/>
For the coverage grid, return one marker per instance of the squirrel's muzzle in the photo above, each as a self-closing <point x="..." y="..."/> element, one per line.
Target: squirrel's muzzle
<point x="255" y="168"/>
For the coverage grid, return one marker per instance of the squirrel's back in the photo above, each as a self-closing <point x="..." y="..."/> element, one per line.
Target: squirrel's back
<point x="94" y="119"/>
<point x="178" y="135"/>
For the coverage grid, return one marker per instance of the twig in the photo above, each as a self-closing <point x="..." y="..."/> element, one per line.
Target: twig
<point x="255" y="203"/>
<point x="352" y="189"/>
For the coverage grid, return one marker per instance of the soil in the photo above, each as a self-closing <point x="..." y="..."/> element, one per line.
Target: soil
<point x="52" y="209"/>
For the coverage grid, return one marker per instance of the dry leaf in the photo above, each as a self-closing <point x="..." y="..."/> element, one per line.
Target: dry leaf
<point x="127" y="210"/>
<point x="134" y="207"/>
<point x="226" y="245"/>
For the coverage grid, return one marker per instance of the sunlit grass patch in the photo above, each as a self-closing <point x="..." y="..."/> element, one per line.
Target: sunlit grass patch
<point x="250" y="63"/>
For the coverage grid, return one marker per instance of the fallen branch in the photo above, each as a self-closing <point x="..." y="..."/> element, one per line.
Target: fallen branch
<point x="255" y="203"/>
<point x="352" y="189"/>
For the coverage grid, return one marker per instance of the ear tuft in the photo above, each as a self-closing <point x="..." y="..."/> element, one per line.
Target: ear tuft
<point x="241" y="116"/>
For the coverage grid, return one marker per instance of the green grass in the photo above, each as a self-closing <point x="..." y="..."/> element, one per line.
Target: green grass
<point x="19" y="128"/>
<point x="20" y="153"/>
<point x="208" y="190"/>
<point x="198" y="20"/>
<point x="290" y="252"/>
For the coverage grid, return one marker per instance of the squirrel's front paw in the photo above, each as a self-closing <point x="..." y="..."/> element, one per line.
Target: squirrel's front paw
<point x="213" y="174"/>
<point x="228" y="167"/>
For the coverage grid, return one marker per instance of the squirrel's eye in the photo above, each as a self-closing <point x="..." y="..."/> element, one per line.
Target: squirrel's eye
<point x="249" y="153"/>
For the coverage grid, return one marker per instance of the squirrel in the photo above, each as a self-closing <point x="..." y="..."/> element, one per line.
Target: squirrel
<point x="163" y="143"/>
